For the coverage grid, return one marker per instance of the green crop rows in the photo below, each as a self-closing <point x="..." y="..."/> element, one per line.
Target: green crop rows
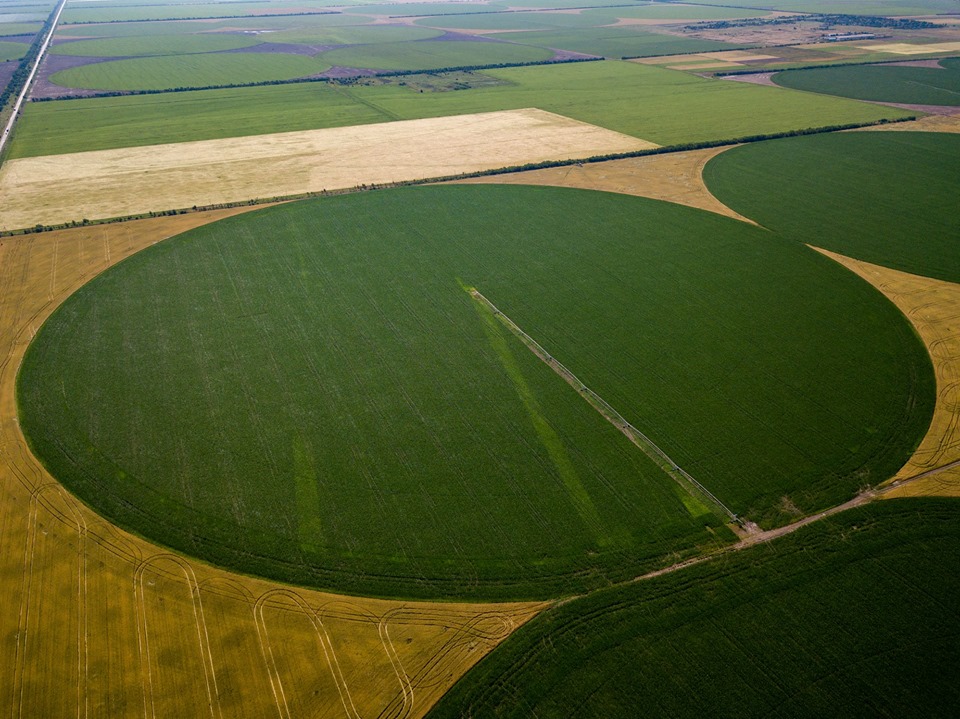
<point x="173" y="71"/>
<point x="659" y="105"/>
<point x="142" y="46"/>
<point x="801" y="189"/>
<point x="12" y="50"/>
<point x="614" y="42"/>
<point x="911" y="85"/>
<point x="853" y="617"/>
<point x="315" y="345"/>
<point x="433" y="54"/>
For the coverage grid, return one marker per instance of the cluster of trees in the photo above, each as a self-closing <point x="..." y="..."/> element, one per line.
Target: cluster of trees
<point x="826" y="20"/>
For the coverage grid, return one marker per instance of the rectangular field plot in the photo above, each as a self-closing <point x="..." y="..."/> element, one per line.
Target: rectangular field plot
<point x="112" y="183"/>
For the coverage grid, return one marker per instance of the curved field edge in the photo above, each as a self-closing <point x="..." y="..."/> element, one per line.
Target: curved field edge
<point x="932" y="306"/>
<point x="907" y="85"/>
<point x="576" y="317"/>
<point x="177" y="634"/>
<point x="850" y="616"/>
<point x="902" y="214"/>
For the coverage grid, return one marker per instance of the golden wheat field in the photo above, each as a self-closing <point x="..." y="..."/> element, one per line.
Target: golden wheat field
<point x="113" y="183"/>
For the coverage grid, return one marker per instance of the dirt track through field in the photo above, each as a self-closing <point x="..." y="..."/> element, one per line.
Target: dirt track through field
<point x="674" y="177"/>
<point x="110" y="183"/>
<point x="97" y="622"/>
<point x="933" y="307"/>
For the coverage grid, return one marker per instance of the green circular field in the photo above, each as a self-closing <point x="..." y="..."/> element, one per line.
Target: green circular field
<point x="882" y="83"/>
<point x="311" y="393"/>
<point x="200" y="70"/>
<point x="885" y="197"/>
<point x="430" y="54"/>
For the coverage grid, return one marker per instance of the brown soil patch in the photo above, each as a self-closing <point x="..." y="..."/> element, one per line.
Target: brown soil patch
<point x="674" y="177"/>
<point x="98" y="622"/>
<point x="110" y="183"/>
<point x="933" y="306"/>
<point x="755" y="78"/>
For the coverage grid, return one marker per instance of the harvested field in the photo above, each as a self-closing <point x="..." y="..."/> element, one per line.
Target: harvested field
<point x="674" y="177"/>
<point x="933" y="123"/>
<point x="906" y="48"/>
<point x="99" y="621"/>
<point x="933" y="306"/>
<point x="111" y="183"/>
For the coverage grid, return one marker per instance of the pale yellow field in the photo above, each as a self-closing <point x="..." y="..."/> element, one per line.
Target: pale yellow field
<point x="933" y="306"/>
<point x="111" y="183"/>
<point x="930" y="123"/>
<point x="905" y="48"/>
<point x="674" y="177"/>
<point x="97" y="622"/>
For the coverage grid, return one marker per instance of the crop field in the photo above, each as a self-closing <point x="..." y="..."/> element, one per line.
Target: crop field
<point x="515" y="21"/>
<point x="852" y="617"/>
<point x="662" y="106"/>
<point x="178" y="27"/>
<point x="577" y="510"/>
<point x="154" y="45"/>
<point x="173" y="71"/>
<point x="913" y="85"/>
<point x="360" y="34"/>
<point x="99" y="621"/>
<point x="12" y="50"/>
<point x="932" y="306"/>
<point x="78" y="13"/>
<point x="12" y="29"/>
<point x="675" y="11"/>
<point x="113" y="183"/>
<point x="433" y="54"/>
<point x="614" y="42"/>
<point x="912" y="225"/>
<point x="673" y="434"/>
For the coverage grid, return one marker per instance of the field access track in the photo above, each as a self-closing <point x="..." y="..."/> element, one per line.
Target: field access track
<point x="97" y="622"/>
<point x="112" y="183"/>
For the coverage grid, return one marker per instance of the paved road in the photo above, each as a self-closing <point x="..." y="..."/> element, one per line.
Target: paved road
<point x="33" y="72"/>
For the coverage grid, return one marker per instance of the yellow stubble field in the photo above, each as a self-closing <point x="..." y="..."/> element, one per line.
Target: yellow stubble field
<point x="98" y="622"/>
<point x="673" y="177"/>
<point x="129" y="181"/>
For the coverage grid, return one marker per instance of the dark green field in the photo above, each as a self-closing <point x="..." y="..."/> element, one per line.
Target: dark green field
<point x="854" y="617"/>
<point x="315" y="357"/>
<point x="885" y="197"/>
<point x="884" y="83"/>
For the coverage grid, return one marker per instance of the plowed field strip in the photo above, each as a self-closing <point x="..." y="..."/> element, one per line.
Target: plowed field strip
<point x="150" y="633"/>
<point x="933" y="306"/>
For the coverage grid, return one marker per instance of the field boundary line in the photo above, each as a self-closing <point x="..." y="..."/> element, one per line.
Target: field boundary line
<point x="683" y="478"/>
